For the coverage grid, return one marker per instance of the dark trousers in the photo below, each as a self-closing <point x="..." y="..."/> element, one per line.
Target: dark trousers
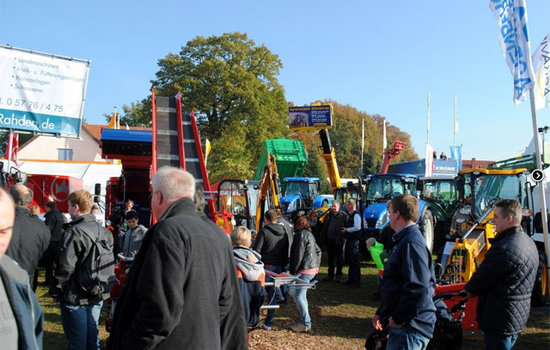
<point x="49" y="261"/>
<point x="354" y="262"/>
<point x="334" y="252"/>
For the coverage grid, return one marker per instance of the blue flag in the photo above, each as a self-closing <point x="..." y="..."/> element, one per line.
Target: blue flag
<point x="456" y="154"/>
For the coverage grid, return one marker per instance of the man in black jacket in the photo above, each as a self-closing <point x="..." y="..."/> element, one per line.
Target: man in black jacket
<point x="180" y="290"/>
<point x="334" y="239"/>
<point x="54" y="220"/>
<point x="79" y="309"/>
<point x="272" y="244"/>
<point x="30" y="235"/>
<point x="505" y="279"/>
<point x="352" y="234"/>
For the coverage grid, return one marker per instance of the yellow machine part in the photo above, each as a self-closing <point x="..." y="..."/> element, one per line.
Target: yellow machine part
<point x="468" y="253"/>
<point x="268" y="190"/>
<point x="461" y="264"/>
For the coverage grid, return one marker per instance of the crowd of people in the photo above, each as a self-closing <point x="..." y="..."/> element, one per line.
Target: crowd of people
<point x="189" y="284"/>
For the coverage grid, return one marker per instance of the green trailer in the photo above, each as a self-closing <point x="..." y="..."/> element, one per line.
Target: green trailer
<point x="290" y="156"/>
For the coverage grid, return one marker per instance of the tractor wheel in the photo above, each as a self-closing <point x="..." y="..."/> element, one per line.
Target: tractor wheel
<point x="539" y="297"/>
<point x="427" y="228"/>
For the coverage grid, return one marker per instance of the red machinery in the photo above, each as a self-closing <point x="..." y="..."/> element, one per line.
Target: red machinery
<point x="52" y="188"/>
<point x="45" y="188"/>
<point x="469" y="322"/>
<point x="389" y="154"/>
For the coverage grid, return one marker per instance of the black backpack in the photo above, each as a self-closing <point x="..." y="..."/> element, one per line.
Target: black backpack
<point x="97" y="272"/>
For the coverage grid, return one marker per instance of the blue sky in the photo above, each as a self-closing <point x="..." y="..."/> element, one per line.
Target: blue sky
<point x="379" y="56"/>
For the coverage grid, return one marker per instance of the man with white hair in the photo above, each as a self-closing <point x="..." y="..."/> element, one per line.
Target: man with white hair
<point x="179" y="291"/>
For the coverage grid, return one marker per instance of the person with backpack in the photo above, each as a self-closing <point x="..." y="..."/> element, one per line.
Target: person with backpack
<point x="85" y="273"/>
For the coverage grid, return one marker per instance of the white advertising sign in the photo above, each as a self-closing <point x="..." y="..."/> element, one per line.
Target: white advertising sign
<point x="429" y="161"/>
<point x="40" y="92"/>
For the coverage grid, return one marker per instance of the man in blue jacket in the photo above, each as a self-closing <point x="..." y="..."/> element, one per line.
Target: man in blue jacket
<point x="407" y="287"/>
<point x="505" y="279"/>
<point x="21" y="318"/>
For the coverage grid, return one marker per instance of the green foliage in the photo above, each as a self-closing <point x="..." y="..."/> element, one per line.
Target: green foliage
<point x="232" y="159"/>
<point x="316" y="168"/>
<point x="231" y="84"/>
<point x="393" y="133"/>
<point x="346" y="139"/>
<point x="136" y="114"/>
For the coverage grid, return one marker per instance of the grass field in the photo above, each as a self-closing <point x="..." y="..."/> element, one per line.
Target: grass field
<point x="341" y="317"/>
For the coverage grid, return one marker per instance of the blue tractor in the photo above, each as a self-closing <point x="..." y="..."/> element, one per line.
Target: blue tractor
<point x="301" y="195"/>
<point x="380" y="188"/>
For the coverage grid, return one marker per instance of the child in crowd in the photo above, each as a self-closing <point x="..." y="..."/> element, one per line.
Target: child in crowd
<point x="250" y="271"/>
<point x="35" y="210"/>
<point x="379" y="256"/>
<point x="376" y="250"/>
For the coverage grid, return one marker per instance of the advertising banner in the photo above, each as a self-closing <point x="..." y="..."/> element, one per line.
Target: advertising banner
<point x="429" y="161"/>
<point x="310" y="117"/>
<point x="41" y="93"/>
<point x="511" y="16"/>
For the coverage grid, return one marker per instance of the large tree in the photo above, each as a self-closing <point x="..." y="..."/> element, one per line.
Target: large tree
<point x="231" y="84"/>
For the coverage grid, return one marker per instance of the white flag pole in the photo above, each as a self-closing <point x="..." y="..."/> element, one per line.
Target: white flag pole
<point x="455" y="125"/>
<point x="542" y="183"/>
<point x="428" y="124"/>
<point x="362" y="144"/>
<point x="9" y="152"/>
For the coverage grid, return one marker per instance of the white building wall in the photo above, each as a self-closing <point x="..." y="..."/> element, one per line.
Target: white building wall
<point x="85" y="148"/>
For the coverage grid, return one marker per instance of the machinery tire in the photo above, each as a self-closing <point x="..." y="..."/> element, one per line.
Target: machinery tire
<point x="427" y="228"/>
<point x="539" y="297"/>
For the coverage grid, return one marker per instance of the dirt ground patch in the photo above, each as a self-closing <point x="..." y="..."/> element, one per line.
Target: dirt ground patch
<point x="341" y="318"/>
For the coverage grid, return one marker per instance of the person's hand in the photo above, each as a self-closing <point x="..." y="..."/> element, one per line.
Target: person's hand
<point x="392" y="324"/>
<point x="376" y="322"/>
<point x="55" y="293"/>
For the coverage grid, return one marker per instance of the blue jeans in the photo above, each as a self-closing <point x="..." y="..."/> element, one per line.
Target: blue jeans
<point x="499" y="342"/>
<point x="272" y="294"/>
<point x="300" y="298"/>
<point x="80" y="324"/>
<point x="406" y="338"/>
